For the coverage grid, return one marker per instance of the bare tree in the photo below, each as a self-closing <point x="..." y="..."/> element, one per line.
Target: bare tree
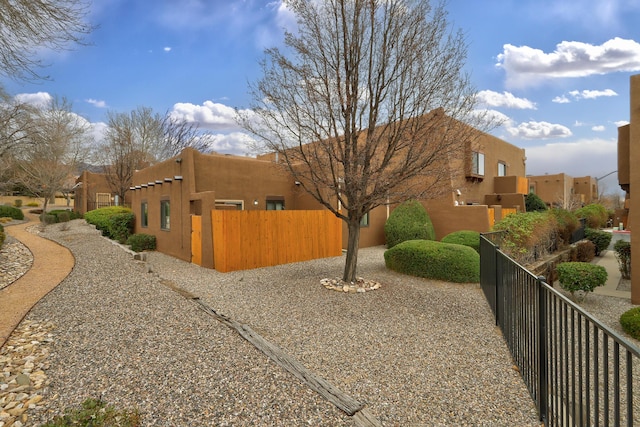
<point x="363" y="108"/>
<point x="28" y="26"/>
<point x="142" y="138"/>
<point x="15" y="123"/>
<point x="58" y="141"/>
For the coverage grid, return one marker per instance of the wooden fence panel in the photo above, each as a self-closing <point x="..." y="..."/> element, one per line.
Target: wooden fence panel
<point x="252" y="239"/>
<point x="196" y="239"/>
<point x="508" y="211"/>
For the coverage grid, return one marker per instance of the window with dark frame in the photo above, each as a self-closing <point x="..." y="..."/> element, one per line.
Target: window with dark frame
<point x="502" y="169"/>
<point x="144" y="214"/>
<point x="364" y="222"/>
<point x="165" y="215"/>
<point x="477" y="163"/>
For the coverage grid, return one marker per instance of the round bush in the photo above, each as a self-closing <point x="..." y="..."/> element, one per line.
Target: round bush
<point x="630" y="322"/>
<point x="600" y="238"/>
<point x="434" y="260"/>
<point x="533" y="203"/>
<point x="11" y="212"/>
<point x="465" y="238"/>
<point x="101" y="218"/>
<point x="408" y="221"/>
<point x="581" y="276"/>
<point x="142" y="242"/>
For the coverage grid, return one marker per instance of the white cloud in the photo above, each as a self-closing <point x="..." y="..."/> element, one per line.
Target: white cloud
<point x="504" y="99"/>
<point x="539" y="130"/>
<point x="237" y="143"/>
<point x="595" y="157"/>
<point x="38" y="99"/>
<point x="167" y="49"/>
<point x="210" y="115"/>
<point x="598" y="128"/>
<point x="592" y="94"/>
<point x="97" y="103"/>
<point x="526" y="66"/>
<point x="561" y="100"/>
<point x="621" y="123"/>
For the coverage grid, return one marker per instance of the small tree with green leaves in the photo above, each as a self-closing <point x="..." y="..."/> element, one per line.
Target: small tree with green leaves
<point x="581" y="277"/>
<point x="533" y="203"/>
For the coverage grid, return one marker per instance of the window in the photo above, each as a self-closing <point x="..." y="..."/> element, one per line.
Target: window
<point x="364" y="222"/>
<point x="502" y="169"/>
<point x="165" y="215"/>
<point x="275" y="205"/>
<point x="144" y="214"/>
<point x="477" y="163"/>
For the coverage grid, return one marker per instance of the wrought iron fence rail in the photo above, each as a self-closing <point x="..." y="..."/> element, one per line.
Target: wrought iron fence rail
<point x="578" y="370"/>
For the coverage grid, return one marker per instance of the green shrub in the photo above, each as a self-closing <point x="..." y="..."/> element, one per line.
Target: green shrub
<point x="408" y="221"/>
<point x="585" y="251"/>
<point x="567" y="223"/>
<point x="630" y="322"/>
<point x="67" y="214"/>
<point x="622" y="249"/>
<point x="600" y="238"/>
<point x="11" y="212"/>
<point x="17" y="203"/>
<point x="101" y="217"/>
<point x="465" y="238"/>
<point x="595" y="214"/>
<point x="33" y="204"/>
<point x="142" y="242"/>
<point x="530" y="235"/>
<point x="581" y="276"/>
<point x="96" y="413"/>
<point x="121" y="226"/>
<point x="533" y="203"/>
<point x="434" y="260"/>
<point x="48" y="219"/>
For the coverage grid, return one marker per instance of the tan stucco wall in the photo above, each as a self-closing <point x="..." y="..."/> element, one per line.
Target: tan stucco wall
<point x="553" y="188"/>
<point x="634" y="179"/>
<point x="624" y="157"/>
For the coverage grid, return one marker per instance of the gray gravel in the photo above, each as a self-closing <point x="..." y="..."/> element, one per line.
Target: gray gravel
<point x="418" y="352"/>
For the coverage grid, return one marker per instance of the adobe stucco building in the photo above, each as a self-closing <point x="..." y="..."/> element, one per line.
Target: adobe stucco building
<point x="485" y="181"/>
<point x="629" y="178"/>
<point x="564" y="191"/>
<point x="487" y="177"/>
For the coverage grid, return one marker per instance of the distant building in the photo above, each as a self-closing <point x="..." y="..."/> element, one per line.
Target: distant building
<point x="563" y="191"/>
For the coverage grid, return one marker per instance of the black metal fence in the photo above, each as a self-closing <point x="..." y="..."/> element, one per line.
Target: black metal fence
<point x="579" y="371"/>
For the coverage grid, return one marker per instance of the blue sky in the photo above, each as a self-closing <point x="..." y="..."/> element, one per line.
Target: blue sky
<point x="557" y="71"/>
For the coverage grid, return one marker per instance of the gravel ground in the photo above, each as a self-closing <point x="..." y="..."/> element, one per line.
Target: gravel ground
<point x="417" y="352"/>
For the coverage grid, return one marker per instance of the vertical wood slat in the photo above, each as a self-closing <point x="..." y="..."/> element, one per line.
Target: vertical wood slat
<point x="196" y="239"/>
<point x="252" y="239"/>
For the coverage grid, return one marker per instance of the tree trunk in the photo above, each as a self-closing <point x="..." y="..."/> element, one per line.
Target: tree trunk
<point x="351" y="263"/>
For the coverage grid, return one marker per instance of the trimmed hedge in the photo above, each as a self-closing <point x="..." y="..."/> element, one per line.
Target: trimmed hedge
<point x="121" y="226"/>
<point x="142" y="242"/>
<point x="64" y="215"/>
<point x="581" y="276"/>
<point x="434" y="260"/>
<point x="630" y="322"/>
<point x="101" y="218"/>
<point x="585" y="251"/>
<point x="600" y="238"/>
<point x="465" y="238"/>
<point x="11" y="212"/>
<point x="408" y="221"/>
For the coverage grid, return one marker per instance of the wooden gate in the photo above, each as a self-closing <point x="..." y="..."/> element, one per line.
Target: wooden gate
<point x="196" y="239"/>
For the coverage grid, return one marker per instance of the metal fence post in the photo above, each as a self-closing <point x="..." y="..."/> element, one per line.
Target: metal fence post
<point x="498" y="283"/>
<point x="542" y="350"/>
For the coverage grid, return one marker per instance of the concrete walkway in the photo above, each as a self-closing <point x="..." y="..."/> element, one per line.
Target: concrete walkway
<point x="608" y="260"/>
<point x="52" y="263"/>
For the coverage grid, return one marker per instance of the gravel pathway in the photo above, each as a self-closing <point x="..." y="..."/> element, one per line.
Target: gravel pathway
<point x="416" y="352"/>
